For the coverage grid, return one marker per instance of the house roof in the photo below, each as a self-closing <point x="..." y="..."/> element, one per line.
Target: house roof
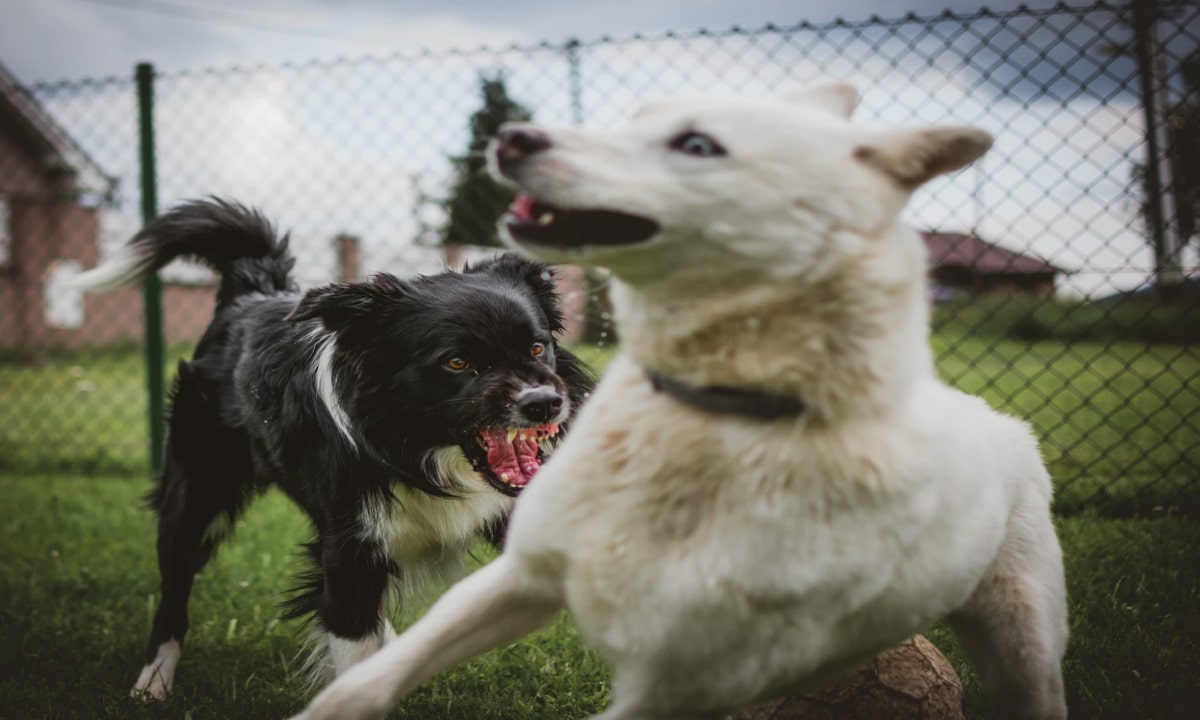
<point x="948" y="249"/>
<point x="56" y="150"/>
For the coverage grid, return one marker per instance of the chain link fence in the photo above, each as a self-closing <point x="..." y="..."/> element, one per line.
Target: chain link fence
<point x="1064" y="264"/>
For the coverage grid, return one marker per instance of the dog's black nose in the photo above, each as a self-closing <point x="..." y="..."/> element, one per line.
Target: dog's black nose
<point x="518" y="141"/>
<point x="539" y="404"/>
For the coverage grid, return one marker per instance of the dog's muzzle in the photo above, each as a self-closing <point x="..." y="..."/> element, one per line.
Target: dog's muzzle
<point x="514" y="143"/>
<point x="534" y="222"/>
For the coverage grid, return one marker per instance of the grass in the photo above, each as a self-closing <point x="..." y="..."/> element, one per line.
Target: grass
<point x="1119" y="422"/>
<point x="74" y="413"/>
<point x="1120" y="429"/>
<point x="79" y="584"/>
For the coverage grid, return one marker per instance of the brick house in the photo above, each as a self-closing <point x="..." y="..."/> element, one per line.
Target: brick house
<point x="969" y="264"/>
<point x="51" y="198"/>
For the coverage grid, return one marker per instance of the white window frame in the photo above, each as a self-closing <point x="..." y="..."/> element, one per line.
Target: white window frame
<point x="62" y="307"/>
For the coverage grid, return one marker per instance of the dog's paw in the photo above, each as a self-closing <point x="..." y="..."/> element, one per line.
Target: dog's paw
<point x="157" y="677"/>
<point x="149" y="693"/>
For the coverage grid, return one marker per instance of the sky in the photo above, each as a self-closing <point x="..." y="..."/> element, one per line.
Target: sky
<point x="364" y="147"/>
<point x="49" y="40"/>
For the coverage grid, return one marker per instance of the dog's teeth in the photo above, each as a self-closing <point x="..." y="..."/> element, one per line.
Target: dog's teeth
<point x="545" y="218"/>
<point x="511" y="434"/>
<point x="504" y="477"/>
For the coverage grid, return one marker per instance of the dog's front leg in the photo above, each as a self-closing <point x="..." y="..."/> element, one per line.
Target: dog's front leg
<point x="495" y="605"/>
<point x="350" y="604"/>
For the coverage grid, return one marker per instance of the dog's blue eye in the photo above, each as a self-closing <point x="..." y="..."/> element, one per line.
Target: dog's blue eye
<point x="697" y="144"/>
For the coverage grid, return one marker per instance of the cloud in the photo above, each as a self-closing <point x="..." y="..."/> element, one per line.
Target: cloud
<point x="25" y="43"/>
<point x="97" y="40"/>
<point x="108" y="37"/>
<point x="364" y="145"/>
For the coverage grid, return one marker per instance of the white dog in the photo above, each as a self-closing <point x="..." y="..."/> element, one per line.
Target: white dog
<point x="770" y="485"/>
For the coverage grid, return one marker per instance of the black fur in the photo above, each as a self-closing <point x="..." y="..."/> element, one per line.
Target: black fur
<point x="247" y="411"/>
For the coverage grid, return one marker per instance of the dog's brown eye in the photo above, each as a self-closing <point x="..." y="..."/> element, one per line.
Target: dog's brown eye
<point x="456" y="364"/>
<point x="537" y="349"/>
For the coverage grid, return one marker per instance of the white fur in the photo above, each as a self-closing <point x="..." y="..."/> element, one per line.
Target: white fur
<point x="717" y="561"/>
<point x="323" y="378"/>
<point x="530" y="390"/>
<point x="158" y="676"/>
<point x="331" y="655"/>
<point x="427" y="536"/>
<point x="422" y="531"/>
<point x="125" y="268"/>
<point x="345" y="653"/>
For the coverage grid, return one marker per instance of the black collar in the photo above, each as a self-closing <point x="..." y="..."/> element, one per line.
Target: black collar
<point x="727" y="400"/>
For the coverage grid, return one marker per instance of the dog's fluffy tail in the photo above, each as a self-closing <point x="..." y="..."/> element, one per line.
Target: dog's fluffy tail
<point x="236" y="241"/>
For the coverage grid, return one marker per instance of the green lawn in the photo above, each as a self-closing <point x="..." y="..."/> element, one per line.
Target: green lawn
<point x="1120" y="429"/>
<point x="79" y="586"/>
<point x="1119" y="423"/>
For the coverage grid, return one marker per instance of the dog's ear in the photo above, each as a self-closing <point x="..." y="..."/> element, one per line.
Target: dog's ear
<point x="915" y="157"/>
<point x="340" y="305"/>
<point x="840" y="98"/>
<point x="537" y="277"/>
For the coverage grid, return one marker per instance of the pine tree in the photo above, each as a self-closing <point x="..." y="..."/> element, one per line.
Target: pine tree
<point x="477" y="202"/>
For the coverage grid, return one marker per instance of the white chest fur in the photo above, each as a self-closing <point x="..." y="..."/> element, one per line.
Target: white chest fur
<point x="425" y="533"/>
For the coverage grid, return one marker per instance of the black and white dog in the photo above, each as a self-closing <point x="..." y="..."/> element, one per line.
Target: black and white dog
<point x="403" y="416"/>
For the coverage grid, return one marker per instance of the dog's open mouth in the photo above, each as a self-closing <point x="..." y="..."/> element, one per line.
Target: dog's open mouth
<point x="535" y="222"/>
<point x="508" y="458"/>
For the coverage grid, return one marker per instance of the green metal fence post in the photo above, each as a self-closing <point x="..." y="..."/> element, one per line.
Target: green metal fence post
<point x="575" y="83"/>
<point x="152" y="290"/>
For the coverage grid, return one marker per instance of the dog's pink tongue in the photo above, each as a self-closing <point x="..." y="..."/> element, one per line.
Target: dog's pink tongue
<point x="522" y="208"/>
<point x="513" y="462"/>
